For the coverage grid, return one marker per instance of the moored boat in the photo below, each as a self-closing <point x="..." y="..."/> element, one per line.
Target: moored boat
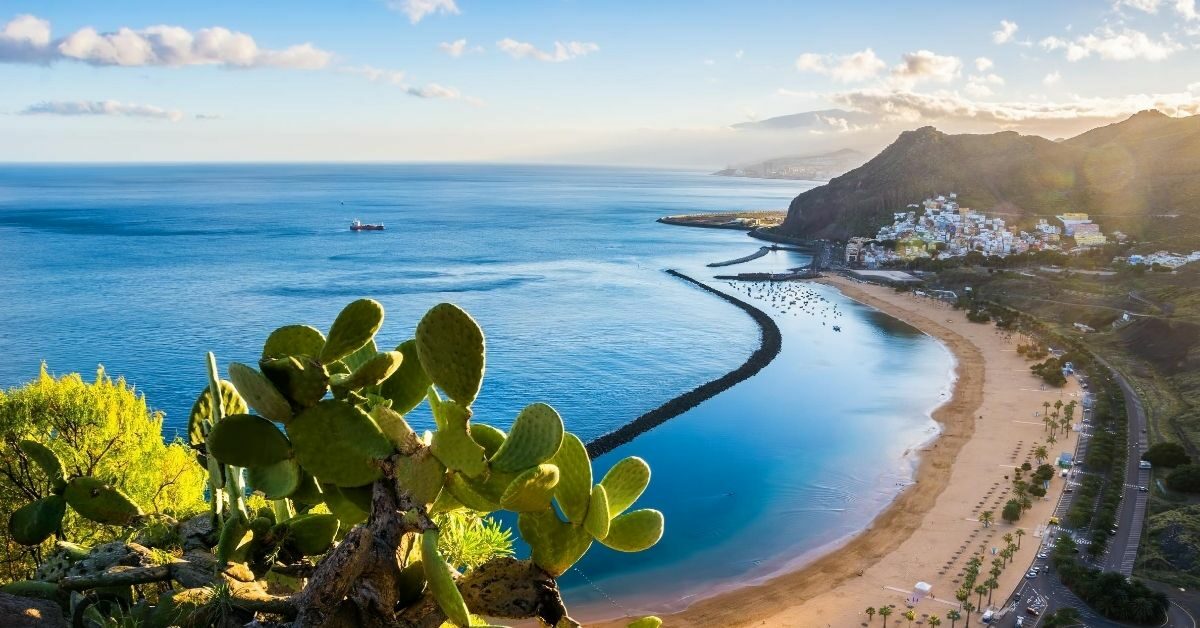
<point x="358" y="225"/>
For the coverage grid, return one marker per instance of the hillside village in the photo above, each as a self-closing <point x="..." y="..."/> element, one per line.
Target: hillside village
<point x="945" y="229"/>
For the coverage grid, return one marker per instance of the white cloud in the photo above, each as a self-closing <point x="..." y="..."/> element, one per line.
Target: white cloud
<point x="1187" y="9"/>
<point x="101" y="108"/>
<point x="26" y="39"/>
<point x="910" y="107"/>
<point x="923" y="65"/>
<point x="1149" y="6"/>
<point x="374" y="74"/>
<point x="562" y="51"/>
<point x="739" y="54"/>
<point x="417" y="10"/>
<point x="852" y="68"/>
<point x="983" y="64"/>
<point x="457" y="48"/>
<point x="1052" y="78"/>
<point x="1112" y="45"/>
<point x="1005" y="34"/>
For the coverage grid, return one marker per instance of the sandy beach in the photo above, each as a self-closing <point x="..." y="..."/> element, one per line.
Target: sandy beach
<point x="991" y="424"/>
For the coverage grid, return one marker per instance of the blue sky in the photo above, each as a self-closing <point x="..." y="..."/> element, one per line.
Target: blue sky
<point x="614" y="82"/>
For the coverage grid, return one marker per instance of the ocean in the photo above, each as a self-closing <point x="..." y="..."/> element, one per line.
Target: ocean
<point x="144" y="268"/>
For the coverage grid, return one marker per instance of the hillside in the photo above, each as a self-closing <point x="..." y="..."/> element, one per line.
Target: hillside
<point x="822" y="167"/>
<point x="1123" y="173"/>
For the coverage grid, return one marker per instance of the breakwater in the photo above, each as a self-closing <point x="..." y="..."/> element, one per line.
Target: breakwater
<point x="770" y="342"/>
<point x="762" y="250"/>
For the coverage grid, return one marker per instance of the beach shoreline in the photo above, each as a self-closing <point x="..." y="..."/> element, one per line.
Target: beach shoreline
<point x="834" y="587"/>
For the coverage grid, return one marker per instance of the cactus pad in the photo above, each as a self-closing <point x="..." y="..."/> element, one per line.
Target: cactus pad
<point x="34" y="589"/>
<point x="488" y="437"/>
<point x="235" y="536"/>
<point x="396" y="429"/>
<point x="45" y="459"/>
<point x="406" y="387"/>
<point x="451" y="349"/>
<point x="96" y="500"/>
<point x="575" y="478"/>
<point x="301" y="379"/>
<point x="473" y="495"/>
<point x="275" y="481"/>
<point x="307" y="490"/>
<point x="531" y="490"/>
<point x="598" y="520"/>
<point x="556" y="545"/>
<point x="624" y="483"/>
<point x="201" y="416"/>
<point x="342" y="507"/>
<point x="421" y="475"/>
<point x="646" y="622"/>
<point x="354" y="326"/>
<point x="535" y="436"/>
<point x="360" y="356"/>
<point x="259" y="393"/>
<point x="374" y="371"/>
<point x="36" y="521"/>
<point x="312" y="534"/>
<point x="294" y="340"/>
<point x="452" y="443"/>
<point x="247" y="440"/>
<point x="635" y="531"/>
<point x="338" y="443"/>
<point x="441" y="581"/>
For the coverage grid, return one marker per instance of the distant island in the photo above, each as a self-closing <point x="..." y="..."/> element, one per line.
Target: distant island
<point x="822" y="167"/>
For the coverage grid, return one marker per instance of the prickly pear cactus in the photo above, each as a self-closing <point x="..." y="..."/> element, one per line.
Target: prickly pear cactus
<point x="451" y="350"/>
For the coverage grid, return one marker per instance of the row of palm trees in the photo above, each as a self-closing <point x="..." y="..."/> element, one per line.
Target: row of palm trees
<point x="910" y="615"/>
<point x="1059" y="420"/>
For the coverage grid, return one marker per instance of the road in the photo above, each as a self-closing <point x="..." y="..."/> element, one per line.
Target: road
<point x="1123" y="546"/>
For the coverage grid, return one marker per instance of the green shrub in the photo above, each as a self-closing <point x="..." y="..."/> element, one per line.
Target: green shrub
<point x="104" y="429"/>
<point x="1185" y="478"/>
<point x="1168" y="455"/>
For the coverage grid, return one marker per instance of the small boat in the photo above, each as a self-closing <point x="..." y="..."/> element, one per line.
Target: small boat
<point x="360" y="226"/>
<point x="837" y="328"/>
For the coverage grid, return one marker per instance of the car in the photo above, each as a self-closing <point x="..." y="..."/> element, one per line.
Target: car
<point x="1020" y="622"/>
<point x="1033" y="611"/>
<point x="1043" y="555"/>
<point x="1142" y="489"/>
<point x="1032" y="574"/>
<point x="1069" y="489"/>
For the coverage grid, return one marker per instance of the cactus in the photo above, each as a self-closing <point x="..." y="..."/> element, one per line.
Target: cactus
<point x="275" y="481"/>
<point x="441" y="581"/>
<point x="624" y="483"/>
<point x="397" y="430"/>
<point x="46" y="460"/>
<point x="452" y="442"/>
<point x="354" y="326"/>
<point x="646" y="622"/>
<point x="372" y="372"/>
<point x="36" y="521"/>
<point x="531" y="490"/>
<point x="421" y="474"/>
<point x="575" y="485"/>
<point x="556" y="545"/>
<point x="451" y="349"/>
<point x="302" y="380"/>
<point x="312" y="534"/>
<point x="246" y="440"/>
<point x="598" y="519"/>
<point x="235" y="537"/>
<point x="343" y="508"/>
<point x="94" y="499"/>
<point x="259" y="393"/>
<point x="294" y="340"/>
<point x="200" y="419"/>
<point x="634" y="531"/>
<point x="488" y="437"/>
<point x="406" y="387"/>
<point x="339" y="443"/>
<point x="473" y="495"/>
<point x="535" y="436"/>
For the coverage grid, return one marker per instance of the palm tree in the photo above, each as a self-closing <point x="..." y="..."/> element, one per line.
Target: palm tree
<point x="1046" y="405"/>
<point x="870" y="614"/>
<point x="1008" y="538"/>
<point x="997" y="566"/>
<point x="953" y="616"/>
<point x="934" y="621"/>
<point x="1020" y="533"/>
<point x="1040" y="453"/>
<point x="910" y="615"/>
<point x="986" y="518"/>
<point x="992" y="584"/>
<point x="1050" y="440"/>
<point x="1058" y="404"/>
<point x="980" y="590"/>
<point x="884" y="611"/>
<point x="962" y="595"/>
<point x="967" y="607"/>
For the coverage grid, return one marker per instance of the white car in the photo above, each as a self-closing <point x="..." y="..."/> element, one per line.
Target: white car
<point x="1032" y="574"/>
<point x="1043" y="555"/>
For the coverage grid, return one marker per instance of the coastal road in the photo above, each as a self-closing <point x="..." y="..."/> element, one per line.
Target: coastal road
<point x="1123" y="546"/>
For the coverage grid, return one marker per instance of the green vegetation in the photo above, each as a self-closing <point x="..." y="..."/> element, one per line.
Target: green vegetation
<point x="325" y="470"/>
<point x="1051" y="372"/>
<point x="1172" y="548"/>
<point x="1166" y="454"/>
<point x="1110" y="593"/>
<point x="1185" y="478"/>
<point x="101" y="433"/>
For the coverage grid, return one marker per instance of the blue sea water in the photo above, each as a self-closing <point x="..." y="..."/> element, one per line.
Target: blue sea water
<point x="144" y="268"/>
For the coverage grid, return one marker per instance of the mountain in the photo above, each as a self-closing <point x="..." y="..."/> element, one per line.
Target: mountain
<point x="807" y="120"/>
<point x="821" y="167"/>
<point x="1124" y="174"/>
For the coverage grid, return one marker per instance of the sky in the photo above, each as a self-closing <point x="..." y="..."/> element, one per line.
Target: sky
<point x="570" y="81"/>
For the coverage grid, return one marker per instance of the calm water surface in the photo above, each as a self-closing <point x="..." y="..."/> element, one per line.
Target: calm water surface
<point x="144" y="268"/>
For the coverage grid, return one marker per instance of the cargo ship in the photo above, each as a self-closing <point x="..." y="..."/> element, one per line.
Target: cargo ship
<point x="359" y="226"/>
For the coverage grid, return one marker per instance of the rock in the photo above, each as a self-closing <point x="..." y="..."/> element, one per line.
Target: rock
<point x="24" y="612"/>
